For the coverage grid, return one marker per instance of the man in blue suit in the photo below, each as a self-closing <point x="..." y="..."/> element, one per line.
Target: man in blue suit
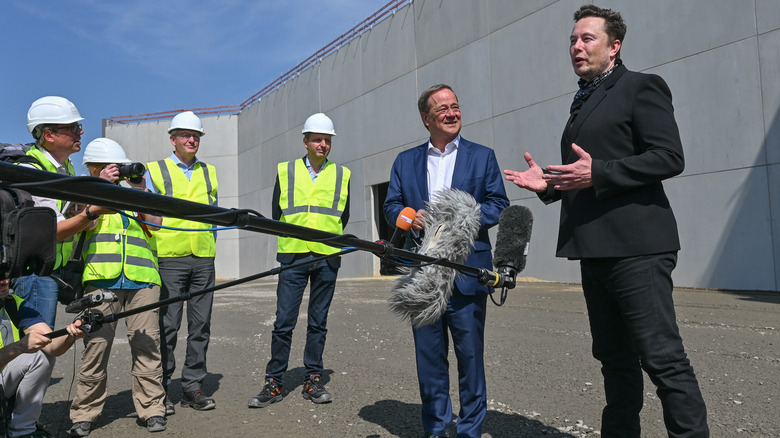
<point x="449" y="161"/>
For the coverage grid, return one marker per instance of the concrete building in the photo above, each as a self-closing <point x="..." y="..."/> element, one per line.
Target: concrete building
<point x="508" y="62"/>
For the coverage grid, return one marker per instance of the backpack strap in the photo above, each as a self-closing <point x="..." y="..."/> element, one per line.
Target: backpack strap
<point x="28" y="159"/>
<point x="9" y="304"/>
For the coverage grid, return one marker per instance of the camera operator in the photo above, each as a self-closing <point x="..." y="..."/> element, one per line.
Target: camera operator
<point x="120" y="258"/>
<point x="26" y="361"/>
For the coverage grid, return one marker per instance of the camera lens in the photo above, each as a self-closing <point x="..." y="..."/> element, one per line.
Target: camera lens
<point x="134" y="171"/>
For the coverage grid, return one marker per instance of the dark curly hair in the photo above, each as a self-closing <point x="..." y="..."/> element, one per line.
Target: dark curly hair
<point x="614" y="25"/>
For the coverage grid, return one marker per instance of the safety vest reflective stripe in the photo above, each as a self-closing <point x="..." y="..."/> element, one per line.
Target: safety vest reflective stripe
<point x="9" y="333"/>
<point x="166" y="178"/>
<point x="117" y="258"/>
<point x="115" y="237"/>
<point x="65" y="247"/>
<point x="202" y="187"/>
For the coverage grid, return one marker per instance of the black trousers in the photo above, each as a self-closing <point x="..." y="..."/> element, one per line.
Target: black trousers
<point x="634" y="328"/>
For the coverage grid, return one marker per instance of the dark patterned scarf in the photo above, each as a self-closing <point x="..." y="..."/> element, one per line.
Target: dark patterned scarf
<point x="588" y="87"/>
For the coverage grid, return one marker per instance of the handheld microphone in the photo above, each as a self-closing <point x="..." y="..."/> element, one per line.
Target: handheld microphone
<point x="452" y="224"/>
<point x="91" y="300"/>
<point x="402" y="224"/>
<point x="512" y="241"/>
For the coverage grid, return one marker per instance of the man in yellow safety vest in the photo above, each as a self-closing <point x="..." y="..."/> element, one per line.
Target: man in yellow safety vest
<point x="186" y="258"/>
<point x="311" y="192"/>
<point x="120" y="258"/>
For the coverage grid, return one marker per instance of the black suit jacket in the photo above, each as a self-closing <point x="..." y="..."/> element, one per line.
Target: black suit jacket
<point x="627" y="126"/>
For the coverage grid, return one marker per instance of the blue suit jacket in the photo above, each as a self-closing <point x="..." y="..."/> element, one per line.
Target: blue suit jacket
<point x="476" y="172"/>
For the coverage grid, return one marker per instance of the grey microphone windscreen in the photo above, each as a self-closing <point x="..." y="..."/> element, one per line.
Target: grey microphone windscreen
<point x="514" y="235"/>
<point x="451" y="224"/>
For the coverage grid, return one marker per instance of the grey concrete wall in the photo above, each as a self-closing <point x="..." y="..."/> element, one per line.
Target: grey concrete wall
<point x="508" y="62"/>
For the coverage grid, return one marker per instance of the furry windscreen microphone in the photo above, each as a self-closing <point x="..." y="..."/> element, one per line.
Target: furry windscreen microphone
<point x="452" y="224"/>
<point x="514" y="235"/>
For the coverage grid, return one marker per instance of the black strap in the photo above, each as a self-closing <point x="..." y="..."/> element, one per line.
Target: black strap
<point x="9" y="305"/>
<point x="79" y="247"/>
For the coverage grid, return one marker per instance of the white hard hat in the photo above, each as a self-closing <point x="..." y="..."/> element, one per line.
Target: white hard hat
<point x="51" y="110"/>
<point x="186" y="120"/>
<point x="105" y="150"/>
<point x="318" y="123"/>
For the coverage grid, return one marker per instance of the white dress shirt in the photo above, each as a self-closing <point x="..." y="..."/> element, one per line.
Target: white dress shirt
<point x="441" y="166"/>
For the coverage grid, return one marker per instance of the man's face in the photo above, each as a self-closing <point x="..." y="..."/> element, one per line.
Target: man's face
<point x="318" y="146"/>
<point x="443" y="116"/>
<point x="591" y="51"/>
<point x="64" y="138"/>
<point x="186" y="143"/>
<point x="4" y="288"/>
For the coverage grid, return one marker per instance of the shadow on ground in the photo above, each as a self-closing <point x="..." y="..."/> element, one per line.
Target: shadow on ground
<point x="403" y="420"/>
<point x="56" y="416"/>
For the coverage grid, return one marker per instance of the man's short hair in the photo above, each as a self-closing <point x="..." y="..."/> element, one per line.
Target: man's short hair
<point x="38" y="130"/>
<point x="614" y="25"/>
<point x="422" y="102"/>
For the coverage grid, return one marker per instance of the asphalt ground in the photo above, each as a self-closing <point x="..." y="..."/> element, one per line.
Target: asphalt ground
<point x="542" y="380"/>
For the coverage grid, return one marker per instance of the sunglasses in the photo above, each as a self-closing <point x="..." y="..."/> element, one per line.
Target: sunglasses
<point x="74" y="129"/>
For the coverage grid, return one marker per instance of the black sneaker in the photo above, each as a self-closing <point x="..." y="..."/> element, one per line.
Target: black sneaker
<point x="314" y="390"/>
<point x="40" y="432"/>
<point x="81" y="428"/>
<point x="271" y="393"/>
<point x="197" y="400"/>
<point x="156" y="424"/>
<point x="169" y="408"/>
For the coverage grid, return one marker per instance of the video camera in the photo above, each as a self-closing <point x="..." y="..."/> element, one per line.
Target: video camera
<point x="28" y="236"/>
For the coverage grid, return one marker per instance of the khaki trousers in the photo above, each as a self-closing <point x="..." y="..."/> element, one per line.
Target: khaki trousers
<point x="143" y="334"/>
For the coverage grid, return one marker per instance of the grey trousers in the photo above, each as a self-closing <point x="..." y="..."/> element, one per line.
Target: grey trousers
<point x="27" y="377"/>
<point x="180" y="276"/>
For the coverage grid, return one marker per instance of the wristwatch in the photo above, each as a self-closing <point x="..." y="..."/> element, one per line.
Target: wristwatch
<point x="90" y="216"/>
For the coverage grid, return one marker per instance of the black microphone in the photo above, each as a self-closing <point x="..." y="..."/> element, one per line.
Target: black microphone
<point x="512" y="240"/>
<point x="402" y="224"/>
<point x="91" y="300"/>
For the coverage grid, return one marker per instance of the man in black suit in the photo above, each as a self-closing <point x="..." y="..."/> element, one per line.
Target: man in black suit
<point x="620" y="142"/>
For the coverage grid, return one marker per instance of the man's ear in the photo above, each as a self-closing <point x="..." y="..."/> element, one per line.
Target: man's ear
<point x="615" y="48"/>
<point x="424" y="117"/>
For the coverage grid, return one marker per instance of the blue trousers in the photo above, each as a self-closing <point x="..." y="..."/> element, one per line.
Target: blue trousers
<point x="634" y="328"/>
<point x="40" y="293"/>
<point x="289" y="294"/>
<point x="181" y="275"/>
<point x="465" y="321"/>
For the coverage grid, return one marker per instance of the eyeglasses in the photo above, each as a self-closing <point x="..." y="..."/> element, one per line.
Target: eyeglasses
<point x="185" y="136"/>
<point x="74" y="129"/>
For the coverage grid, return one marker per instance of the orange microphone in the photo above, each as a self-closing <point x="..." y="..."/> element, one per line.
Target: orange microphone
<point x="402" y="224"/>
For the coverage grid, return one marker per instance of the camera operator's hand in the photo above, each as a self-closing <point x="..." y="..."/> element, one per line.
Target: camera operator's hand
<point x="110" y="173"/>
<point x="141" y="185"/>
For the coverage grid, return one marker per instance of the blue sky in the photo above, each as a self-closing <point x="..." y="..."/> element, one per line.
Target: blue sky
<point x="113" y="58"/>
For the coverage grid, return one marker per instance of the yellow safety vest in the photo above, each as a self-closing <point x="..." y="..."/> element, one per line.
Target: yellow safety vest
<point x="9" y="331"/>
<point x="169" y="180"/>
<point x="315" y="204"/>
<point x="112" y="248"/>
<point x="65" y="247"/>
